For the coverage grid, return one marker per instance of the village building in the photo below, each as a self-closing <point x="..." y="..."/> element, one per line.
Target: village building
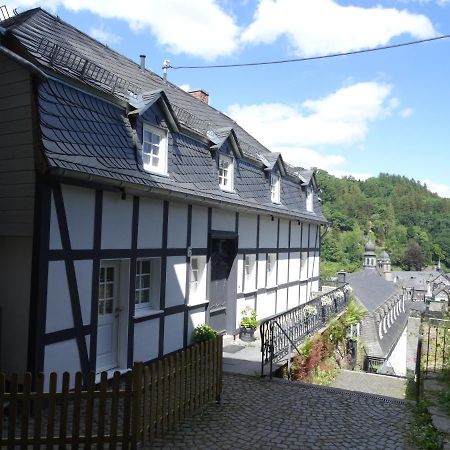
<point x="383" y="328"/>
<point x="132" y="211"/>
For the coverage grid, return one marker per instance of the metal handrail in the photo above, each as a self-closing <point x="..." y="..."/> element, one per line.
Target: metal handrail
<point x="296" y="324"/>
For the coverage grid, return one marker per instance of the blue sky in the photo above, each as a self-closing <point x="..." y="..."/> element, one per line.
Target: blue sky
<point x="387" y="111"/>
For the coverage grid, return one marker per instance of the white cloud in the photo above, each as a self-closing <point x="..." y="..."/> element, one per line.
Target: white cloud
<point x="443" y="190"/>
<point x="315" y="27"/>
<point x="299" y="131"/>
<point x="407" y="112"/>
<point x="345" y="173"/>
<point x="185" y="87"/>
<point x="199" y="28"/>
<point x="105" y="36"/>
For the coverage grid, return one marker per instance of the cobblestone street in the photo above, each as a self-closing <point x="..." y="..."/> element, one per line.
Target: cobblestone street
<point x="259" y="414"/>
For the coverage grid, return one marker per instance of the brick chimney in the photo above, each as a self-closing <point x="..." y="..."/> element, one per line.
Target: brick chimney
<point x="201" y="95"/>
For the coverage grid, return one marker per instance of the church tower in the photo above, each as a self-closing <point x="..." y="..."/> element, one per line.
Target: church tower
<point x="370" y="257"/>
<point x="384" y="264"/>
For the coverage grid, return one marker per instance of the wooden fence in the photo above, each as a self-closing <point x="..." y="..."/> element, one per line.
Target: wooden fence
<point x="121" y="412"/>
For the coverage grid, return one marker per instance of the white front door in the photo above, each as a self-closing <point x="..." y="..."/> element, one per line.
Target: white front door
<point x="108" y="315"/>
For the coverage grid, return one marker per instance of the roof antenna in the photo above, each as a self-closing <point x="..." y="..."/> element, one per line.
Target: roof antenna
<point x="165" y="66"/>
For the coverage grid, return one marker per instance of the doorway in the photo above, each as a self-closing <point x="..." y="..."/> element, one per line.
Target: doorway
<point x="223" y="284"/>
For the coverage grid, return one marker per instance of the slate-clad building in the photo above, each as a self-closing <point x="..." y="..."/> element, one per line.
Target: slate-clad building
<point x="131" y="211"/>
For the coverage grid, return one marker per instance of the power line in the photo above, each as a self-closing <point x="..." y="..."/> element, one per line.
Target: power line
<point x="311" y="58"/>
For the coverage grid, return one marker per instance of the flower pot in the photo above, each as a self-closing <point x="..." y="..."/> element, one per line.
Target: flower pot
<point x="247" y="334"/>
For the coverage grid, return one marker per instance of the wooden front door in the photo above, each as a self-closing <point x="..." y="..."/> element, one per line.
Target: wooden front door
<point x="108" y="316"/>
<point x="223" y="284"/>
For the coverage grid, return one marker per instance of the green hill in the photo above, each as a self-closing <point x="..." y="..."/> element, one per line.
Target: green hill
<point x="401" y="215"/>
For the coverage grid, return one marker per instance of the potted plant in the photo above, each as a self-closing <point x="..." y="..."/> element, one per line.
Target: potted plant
<point x="248" y="324"/>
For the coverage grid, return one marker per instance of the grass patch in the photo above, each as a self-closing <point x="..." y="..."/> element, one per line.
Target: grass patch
<point x="422" y="433"/>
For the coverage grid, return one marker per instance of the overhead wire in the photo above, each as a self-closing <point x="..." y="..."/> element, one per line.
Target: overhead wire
<point x="311" y="58"/>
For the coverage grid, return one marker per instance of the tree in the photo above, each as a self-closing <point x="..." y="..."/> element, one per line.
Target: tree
<point x="414" y="256"/>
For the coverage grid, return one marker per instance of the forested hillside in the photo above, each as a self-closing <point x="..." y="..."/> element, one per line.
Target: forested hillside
<point x="400" y="215"/>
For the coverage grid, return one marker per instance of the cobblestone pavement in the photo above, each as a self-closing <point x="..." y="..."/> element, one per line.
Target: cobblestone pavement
<point x="260" y="414"/>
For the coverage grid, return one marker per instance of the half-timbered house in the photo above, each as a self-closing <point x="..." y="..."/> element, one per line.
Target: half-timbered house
<point x="132" y="211"/>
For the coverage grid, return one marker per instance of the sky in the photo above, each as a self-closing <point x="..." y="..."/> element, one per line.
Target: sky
<point x="359" y="115"/>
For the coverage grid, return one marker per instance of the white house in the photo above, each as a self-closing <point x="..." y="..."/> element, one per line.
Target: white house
<point x="131" y="211"/>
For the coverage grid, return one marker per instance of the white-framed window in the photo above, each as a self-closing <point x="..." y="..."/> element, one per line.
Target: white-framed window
<point x="154" y="149"/>
<point x="275" y="188"/>
<point x="271" y="269"/>
<point x="148" y="279"/>
<point x="226" y="172"/>
<point x="197" y="279"/>
<point x="249" y="273"/>
<point x="309" y="199"/>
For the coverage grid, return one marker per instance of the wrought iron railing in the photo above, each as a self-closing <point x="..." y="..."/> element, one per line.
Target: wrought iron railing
<point x="436" y="344"/>
<point x="281" y="332"/>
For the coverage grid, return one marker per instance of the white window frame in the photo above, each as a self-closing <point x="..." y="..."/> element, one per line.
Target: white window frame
<point x="161" y="168"/>
<point x="197" y="279"/>
<point x="226" y="183"/>
<point x="309" y="199"/>
<point x="275" y="188"/>
<point x="154" y="284"/>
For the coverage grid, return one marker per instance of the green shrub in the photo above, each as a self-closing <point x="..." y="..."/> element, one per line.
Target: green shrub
<point x="203" y="333"/>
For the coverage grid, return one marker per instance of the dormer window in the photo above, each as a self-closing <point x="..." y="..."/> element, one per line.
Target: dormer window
<point x="275" y="188"/>
<point x="226" y="173"/>
<point x="309" y="199"/>
<point x="154" y="149"/>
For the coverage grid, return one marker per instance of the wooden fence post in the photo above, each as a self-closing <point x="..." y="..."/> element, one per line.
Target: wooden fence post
<point x="137" y="411"/>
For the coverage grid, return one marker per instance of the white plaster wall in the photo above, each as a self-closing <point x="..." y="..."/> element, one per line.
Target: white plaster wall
<point x="295" y="234"/>
<point x="284" y="233"/>
<point x="247" y="230"/>
<point x="397" y="359"/>
<point x="281" y="300"/>
<point x="261" y="283"/>
<point x="316" y="264"/>
<point x="315" y="286"/>
<point x="311" y="267"/>
<point x="177" y="225"/>
<point x="293" y="292"/>
<point x="146" y="338"/>
<point x="294" y="266"/>
<point x="175" y="281"/>
<point x="240" y="271"/>
<point x="55" y="236"/>
<point x="267" y="232"/>
<point x="314" y="237"/>
<point x="79" y="204"/>
<point x="196" y="317"/>
<point x="116" y="221"/>
<point x="282" y="268"/>
<point x="266" y="305"/>
<point x="59" y="309"/>
<point x="304" y="235"/>
<point x="302" y="294"/>
<point x="224" y="220"/>
<point x="304" y="265"/>
<point x="150" y="223"/>
<point x="62" y="357"/>
<point x="83" y="274"/>
<point x="173" y="332"/>
<point x="199" y="234"/>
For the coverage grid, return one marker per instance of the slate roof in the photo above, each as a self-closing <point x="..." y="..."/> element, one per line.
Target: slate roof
<point x="415" y="279"/>
<point x="371" y="289"/>
<point x="375" y="293"/>
<point x="84" y="133"/>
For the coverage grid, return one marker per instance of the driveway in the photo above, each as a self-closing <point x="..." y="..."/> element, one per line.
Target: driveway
<point x="263" y="414"/>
